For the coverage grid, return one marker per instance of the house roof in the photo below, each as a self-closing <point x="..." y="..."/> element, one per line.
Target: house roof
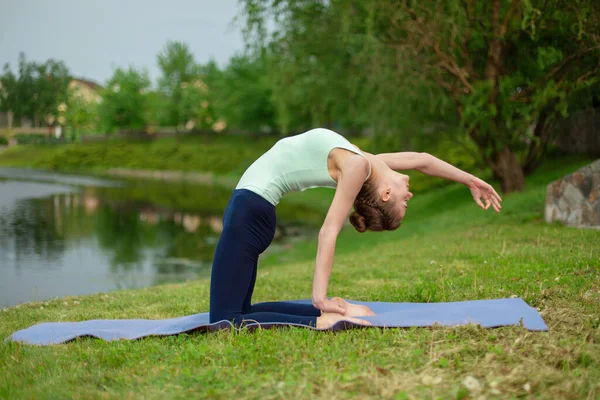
<point x="91" y="84"/>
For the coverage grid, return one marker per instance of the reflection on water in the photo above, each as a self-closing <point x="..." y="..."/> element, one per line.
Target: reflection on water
<point x="59" y="240"/>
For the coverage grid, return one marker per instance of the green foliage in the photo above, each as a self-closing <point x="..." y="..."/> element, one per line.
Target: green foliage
<point x="177" y="65"/>
<point x="243" y="95"/>
<point x="36" y="92"/>
<point x="408" y="73"/>
<point x="327" y="69"/>
<point x="158" y="108"/>
<point x="503" y="70"/>
<point x="125" y="101"/>
<point x="36" y="139"/>
<point x="548" y="56"/>
<point x="181" y="84"/>
<point x="313" y="70"/>
<point x="81" y="116"/>
<point x="195" y="105"/>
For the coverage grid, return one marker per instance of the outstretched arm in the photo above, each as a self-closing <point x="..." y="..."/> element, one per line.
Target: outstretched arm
<point x="425" y="163"/>
<point x="430" y="165"/>
<point x="350" y="181"/>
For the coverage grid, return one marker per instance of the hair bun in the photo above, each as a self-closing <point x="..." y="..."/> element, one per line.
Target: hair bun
<point x="358" y="221"/>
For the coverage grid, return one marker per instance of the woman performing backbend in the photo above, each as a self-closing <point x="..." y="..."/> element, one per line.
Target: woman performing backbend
<point x="317" y="158"/>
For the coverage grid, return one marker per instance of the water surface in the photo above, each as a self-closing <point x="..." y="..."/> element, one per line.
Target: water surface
<point x="64" y="235"/>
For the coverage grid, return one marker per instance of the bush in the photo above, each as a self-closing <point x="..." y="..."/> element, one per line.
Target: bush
<point x="36" y="138"/>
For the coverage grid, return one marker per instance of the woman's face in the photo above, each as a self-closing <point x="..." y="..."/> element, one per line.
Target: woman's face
<point x="401" y="192"/>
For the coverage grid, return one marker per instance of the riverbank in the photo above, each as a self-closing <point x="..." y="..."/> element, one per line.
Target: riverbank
<point x="447" y="250"/>
<point x="197" y="159"/>
<point x="215" y="155"/>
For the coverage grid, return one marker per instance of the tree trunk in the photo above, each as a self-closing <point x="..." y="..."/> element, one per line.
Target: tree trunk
<point x="507" y="167"/>
<point x="543" y="134"/>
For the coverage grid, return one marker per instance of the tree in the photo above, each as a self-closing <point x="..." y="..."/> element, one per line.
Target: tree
<point x="157" y="111"/>
<point x="309" y="64"/>
<point x="125" y="101"/>
<point x="179" y="72"/>
<point x="36" y="92"/>
<point x="243" y="93"/>
<point x="81" y="115"/>
<point x="508" y="67"/>
<point x="8" y="91"/>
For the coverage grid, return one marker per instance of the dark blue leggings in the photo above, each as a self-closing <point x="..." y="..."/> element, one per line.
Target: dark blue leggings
<point x="248" y="229"/>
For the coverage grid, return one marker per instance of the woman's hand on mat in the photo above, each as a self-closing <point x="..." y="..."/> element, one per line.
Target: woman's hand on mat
<point x="484" y="191"/>
<point x="330" y="306"/>
<point x="340" y="306"/>
<point x="353" y="310"/>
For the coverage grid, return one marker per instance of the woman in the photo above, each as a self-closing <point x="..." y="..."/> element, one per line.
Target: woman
<point x="317" y="158"/>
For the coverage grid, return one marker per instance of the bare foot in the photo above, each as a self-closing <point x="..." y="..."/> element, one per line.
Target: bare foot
<point x="354" y="310"/>
<point x="327" y="320"/>
<point x="357" y="310"/>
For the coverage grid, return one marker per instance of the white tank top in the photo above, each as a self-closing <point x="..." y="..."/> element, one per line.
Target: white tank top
<point x="295" y="163"/>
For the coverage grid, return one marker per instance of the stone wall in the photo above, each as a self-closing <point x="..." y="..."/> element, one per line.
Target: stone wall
<point x="575" y="198"/>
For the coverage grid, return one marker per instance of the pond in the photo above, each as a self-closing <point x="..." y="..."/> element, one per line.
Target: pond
<point x="63" y="235"/>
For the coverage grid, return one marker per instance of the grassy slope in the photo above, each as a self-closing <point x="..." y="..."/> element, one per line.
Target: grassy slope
<point x="223" y="157"/>
<point x="447" y="251"/>
<point x="207" y="154"/>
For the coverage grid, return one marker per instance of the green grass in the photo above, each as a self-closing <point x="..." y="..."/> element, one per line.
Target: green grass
<point x="447" y="250"/>
<point x="218" y="154"/>
<point x="223" y="158"/>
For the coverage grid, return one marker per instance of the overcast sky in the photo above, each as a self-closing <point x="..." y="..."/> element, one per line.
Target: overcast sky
<point x="93" y="37"/>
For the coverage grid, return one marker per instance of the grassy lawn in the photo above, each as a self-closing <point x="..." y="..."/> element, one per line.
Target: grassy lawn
<point x="447" y="250"/>
<point x="218" y="154"/>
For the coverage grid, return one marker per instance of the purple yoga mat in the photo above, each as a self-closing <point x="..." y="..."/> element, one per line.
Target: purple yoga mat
<point x="487" y="313"/>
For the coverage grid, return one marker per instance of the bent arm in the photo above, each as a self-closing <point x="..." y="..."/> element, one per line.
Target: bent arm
<point x="350" y="181"/>
<point x="427" y="164"/>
